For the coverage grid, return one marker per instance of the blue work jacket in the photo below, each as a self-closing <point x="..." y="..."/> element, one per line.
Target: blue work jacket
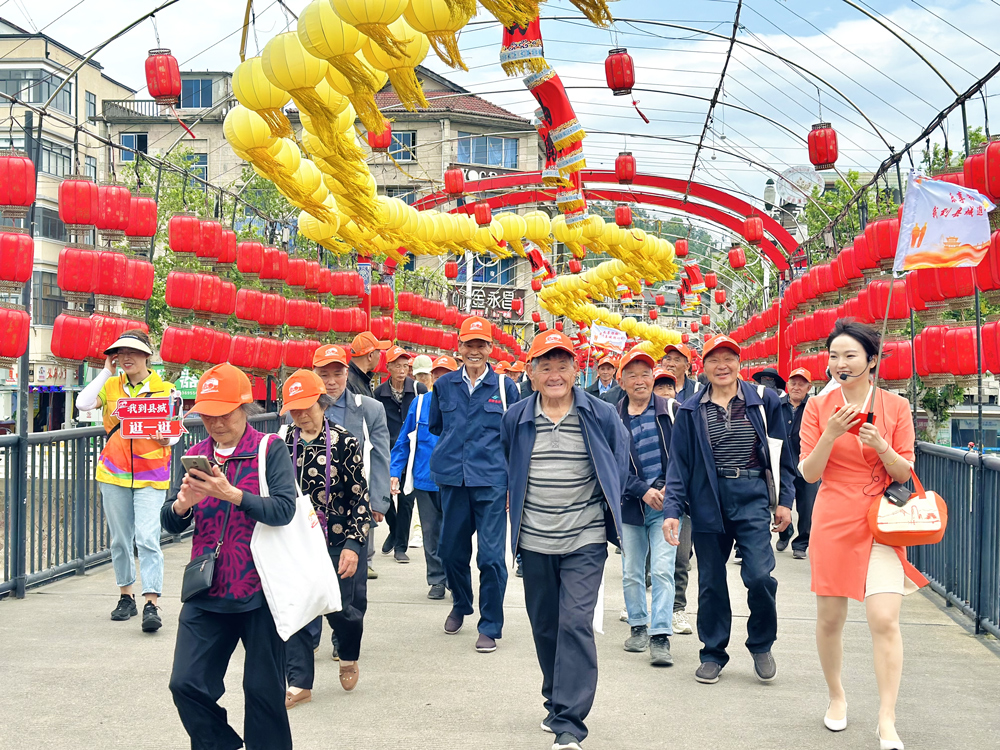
<point x="469" y="426"/>
<point x="633" y="507"/>
<point x="425" y="446"/>
<point x="607" y="443"/>
<point x="691" y="478"/>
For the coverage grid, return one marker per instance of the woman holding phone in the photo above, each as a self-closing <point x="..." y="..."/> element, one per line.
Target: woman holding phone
<point x="857" y="459"/>
<point x="329" y="469"/>
<point x="133" y="474"/>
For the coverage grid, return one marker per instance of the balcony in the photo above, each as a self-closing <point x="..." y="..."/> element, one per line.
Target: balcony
<point x="131" y="109"/>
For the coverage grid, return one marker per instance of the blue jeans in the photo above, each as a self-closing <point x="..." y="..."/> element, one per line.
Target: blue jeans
<point x="636" y="542"/>
<point x="134" y="516"/>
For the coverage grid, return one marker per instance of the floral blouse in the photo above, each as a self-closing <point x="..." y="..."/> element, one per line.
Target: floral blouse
<point x="344" y="512"/>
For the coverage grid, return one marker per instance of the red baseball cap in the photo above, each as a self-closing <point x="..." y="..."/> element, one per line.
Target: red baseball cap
<point x="721" y="341"/>
<point x="476" y="328"/>
<point x="365" y="343"/>
<point x="302" y="389"/>
<point x="633" y="356"/>
<point x="395" y="353"/>
<point x="221" y="390"/>
<point x="446" y="362"/>
<point x="800" y="372"/>
<point x="549" y="340"/>
<point x="329" y="354"/>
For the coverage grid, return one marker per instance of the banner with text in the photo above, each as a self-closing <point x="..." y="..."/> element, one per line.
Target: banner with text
<point x="608" y="338"/>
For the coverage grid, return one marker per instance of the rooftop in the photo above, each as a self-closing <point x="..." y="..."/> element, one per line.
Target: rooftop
<point x="448" y="101"/>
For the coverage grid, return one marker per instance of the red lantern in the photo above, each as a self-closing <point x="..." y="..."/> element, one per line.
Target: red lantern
<point x="536" y="317"/>
<point x="484" y="214"/>
<point x="559" y="325"/>
<point x="737" y="258"/>
<point x="71" y="339"/>
<point x="711" y="281"/>
<point x="685" y="338"/>
<point x="694" y="327"/>
<point x="227" y="249"/>
<point x="163" y="77"/>
<point x="114" y="205"/>
<point x="380" y="142"/>
<point x="623" y="215"/>
<point x="974" y="170"/>
<point x="681" y="248"/>
<point x="619" y="71"/>
<point x="451" y="270"/>
<point x="249" y="258"/>
<point x="705" y="320"/>
<point x="76" y="275"/>
<point x="139" y="276"/>
<point x="992" y="170"/>
<point x="536" y="285"/>
<point x="141" y="221"/>
<point x="184" y="233"/>
<point x="112" y="268"/>
<point x="822" y="146"/>
<point x="625" y="168"/>
<point x="243" y="351"/>
<point x="543" y="326"/>
<point x="720" y="296"/>
<point x="78" y="203"/>
<point x="753" y="229"/>
<point x="17" y="184"/>
<point x="14" y="326"/>
<point x="207" y="250"/>
<point x="517" y="306"/>
<point x="653" y="314"/>
<point x="575" y="265"/>
<point x="454" y="181"/>
<point x="17" y="255"/>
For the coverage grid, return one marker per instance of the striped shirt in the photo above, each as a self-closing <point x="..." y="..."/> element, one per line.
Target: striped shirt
<point x="646" y="437"/>
<point x="563" y="504"/>
<point x="730" y="432"/>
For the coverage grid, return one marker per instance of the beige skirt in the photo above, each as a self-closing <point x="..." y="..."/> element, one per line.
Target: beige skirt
<point x="885" y="573"/>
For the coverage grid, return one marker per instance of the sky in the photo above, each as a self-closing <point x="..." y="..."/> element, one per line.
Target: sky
<point x="677" y="71"/>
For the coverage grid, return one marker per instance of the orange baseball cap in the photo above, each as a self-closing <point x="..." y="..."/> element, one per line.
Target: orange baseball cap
<point x="476" y="328"/>
<point x="329" y="354"/>
<point x="446" y="362"/>
<point x="608" y="360"/>
<point x="721" y="341"/>
<point x="221" y="390"/>
<point x="395" y="353"/>
<point x="633" y="356"/>
<point x="679" y="348"/>
<point x="518" y="366"/>
<point x="800" y="372"/>
<point x="549" y="340"/>
<point x="365" y="343"/>
<point x="501" y="368"/>
<point x="302" y="389"/>
<point x="659" y="372"/>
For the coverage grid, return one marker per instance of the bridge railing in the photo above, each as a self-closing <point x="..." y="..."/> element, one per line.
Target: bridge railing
<point x="52" y="518"/>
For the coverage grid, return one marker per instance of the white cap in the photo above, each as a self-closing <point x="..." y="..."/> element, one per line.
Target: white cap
<point x="422" y="365"/>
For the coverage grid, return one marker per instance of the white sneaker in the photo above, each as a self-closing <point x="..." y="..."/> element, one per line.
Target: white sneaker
<point x="624" y="615"/>
<point x="416" y="537"/>
<point x="681" y="624"/>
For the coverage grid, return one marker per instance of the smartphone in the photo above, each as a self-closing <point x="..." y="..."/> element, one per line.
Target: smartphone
<point x="864" y="416"/>
<point x="201" y="463"/>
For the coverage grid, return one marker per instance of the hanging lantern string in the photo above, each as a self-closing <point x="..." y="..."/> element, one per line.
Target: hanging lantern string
<point x="635" y="103"/>
<point x="156" y="31"/>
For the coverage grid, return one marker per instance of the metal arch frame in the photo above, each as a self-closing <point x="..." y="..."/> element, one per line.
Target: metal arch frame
<point x="783" y="245"/>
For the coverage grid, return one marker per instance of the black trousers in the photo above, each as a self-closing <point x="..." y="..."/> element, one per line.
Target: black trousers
<point x="205" y="643"/>
<point x="560" y="593"/>
<point x="398" y="517"/>
<point x="348" y="626"/>
<point x="746" y="521"/>
<point x="429" y="507"/>
<point x="682" y="566"/>
<point x="805" y="498"/>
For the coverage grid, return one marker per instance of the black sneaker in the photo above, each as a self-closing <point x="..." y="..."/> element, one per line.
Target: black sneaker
<point x="336" y="654"/>
<point x="401" y="557"/>
<point x="639" y="640"/>
<point x="387" y="545"/>
<point x="151" y="620"/>
<point x="566" y="741"/>
<point x="125" y="609"/>
<point x="519" y="572"/>
<point x="436" y="592"/>
<point x="708" y="672"/>
<point x="782" y="545"/>
<point x="764" y="666"/>
<point x="659" y="651"/>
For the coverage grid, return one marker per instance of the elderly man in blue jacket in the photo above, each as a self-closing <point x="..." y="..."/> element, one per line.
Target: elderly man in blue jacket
<point x="567" y="461"/>
<point x="720" y="465"/>
<point x="468" y="467"/>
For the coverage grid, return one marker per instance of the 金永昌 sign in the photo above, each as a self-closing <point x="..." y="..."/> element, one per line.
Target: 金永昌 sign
<point x="145" y="417"/>
<point x="488" y="301"/>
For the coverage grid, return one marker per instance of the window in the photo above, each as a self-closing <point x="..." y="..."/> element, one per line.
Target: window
<point x="90" y="167"/>
<point x="197" y="164"/>
<point x="48" y="224"/>
<point x="491" y="150"/>
<point x="36" y="86"/>
<point x="405" y="194"/>
<point x="91" y="105"/>
<point x="196" y="93"/>
<point x="56" y="159"/>
<point x="490" y="272"/>
<point x="47" y="300"/>
<point x="404" y="146"/>
<point x="136" y="141"/>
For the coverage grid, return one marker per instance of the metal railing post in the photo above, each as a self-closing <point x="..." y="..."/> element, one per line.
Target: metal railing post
<point x="80" y="503"/>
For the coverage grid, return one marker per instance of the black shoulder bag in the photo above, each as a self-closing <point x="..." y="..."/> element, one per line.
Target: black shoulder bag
<point x="198" y="573"/>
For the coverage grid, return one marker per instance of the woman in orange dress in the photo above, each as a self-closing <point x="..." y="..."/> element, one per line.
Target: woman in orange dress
<point x="846" y="561"/>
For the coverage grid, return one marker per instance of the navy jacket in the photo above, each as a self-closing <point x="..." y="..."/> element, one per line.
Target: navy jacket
<point x="607" y="444"/>
<point x="395" y="412"/>
<point x="469" y="426"/>
<point x="793" y="425"/>
<point x="691" y="478"/>
<point x="636" y="485"/>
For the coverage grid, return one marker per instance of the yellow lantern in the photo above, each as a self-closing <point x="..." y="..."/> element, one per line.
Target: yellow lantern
<point x="252" y="89"/>
<point x="363" y="100"/>
<point x="318" y="231"/>
<point x="538" y="227"/>
<point x="569" y="236"/>
<point x="288" y="66"/>
<point x="314" y="146"/>
<point x="516" y="12"/>
<point x="249" y="134"/>
<point x="514" y="227"/>
<point x="287" y="153"/>
<point x="401" y="68"/>
<point x="440" y="20"/>
<point x="374" y="19"/>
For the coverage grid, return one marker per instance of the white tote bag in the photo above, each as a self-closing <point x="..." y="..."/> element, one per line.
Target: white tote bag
<point x="774" y="446"/>
<point x="295" y="569"/>
<point x="412" y="436"/>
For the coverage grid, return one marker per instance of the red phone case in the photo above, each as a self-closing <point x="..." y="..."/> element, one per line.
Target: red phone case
<point x="856" y="430"/>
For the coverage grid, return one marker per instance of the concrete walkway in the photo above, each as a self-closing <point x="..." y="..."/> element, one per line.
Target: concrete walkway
<point x="70" y="679"/>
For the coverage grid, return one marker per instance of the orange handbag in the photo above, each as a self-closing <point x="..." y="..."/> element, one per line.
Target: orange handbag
<point x="921" y="519"/>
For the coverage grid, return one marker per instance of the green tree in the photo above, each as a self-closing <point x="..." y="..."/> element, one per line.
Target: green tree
<point x="939" y="158"/>
<point x="877" y="200"/>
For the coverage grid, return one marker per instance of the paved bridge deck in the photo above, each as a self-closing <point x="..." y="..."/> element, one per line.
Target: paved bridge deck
<point x="72" y="679"/>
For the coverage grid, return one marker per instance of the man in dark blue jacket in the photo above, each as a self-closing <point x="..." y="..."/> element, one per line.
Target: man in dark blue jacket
<point x="469" y="468"/>
<point x="567" y="454"/>
<point x="648" y="421"/>
<point x="793" y="406"/>
<point x="720" y="466"/>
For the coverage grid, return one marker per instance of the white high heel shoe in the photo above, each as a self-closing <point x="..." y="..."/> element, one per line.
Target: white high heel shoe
<point x="887" y="744"/>
<point x="835" y="725"/>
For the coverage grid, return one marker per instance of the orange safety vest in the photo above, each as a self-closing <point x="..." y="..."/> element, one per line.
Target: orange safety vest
<point x="136" y="463"/>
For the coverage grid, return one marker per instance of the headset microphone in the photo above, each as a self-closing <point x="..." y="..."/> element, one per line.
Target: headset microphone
<point x="844" y="376"/>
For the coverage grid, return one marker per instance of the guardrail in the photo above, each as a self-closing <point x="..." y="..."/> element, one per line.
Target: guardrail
<point x="114" y="109"/>
<point x="965" y="566"/>
<point x="53" y="518"/>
